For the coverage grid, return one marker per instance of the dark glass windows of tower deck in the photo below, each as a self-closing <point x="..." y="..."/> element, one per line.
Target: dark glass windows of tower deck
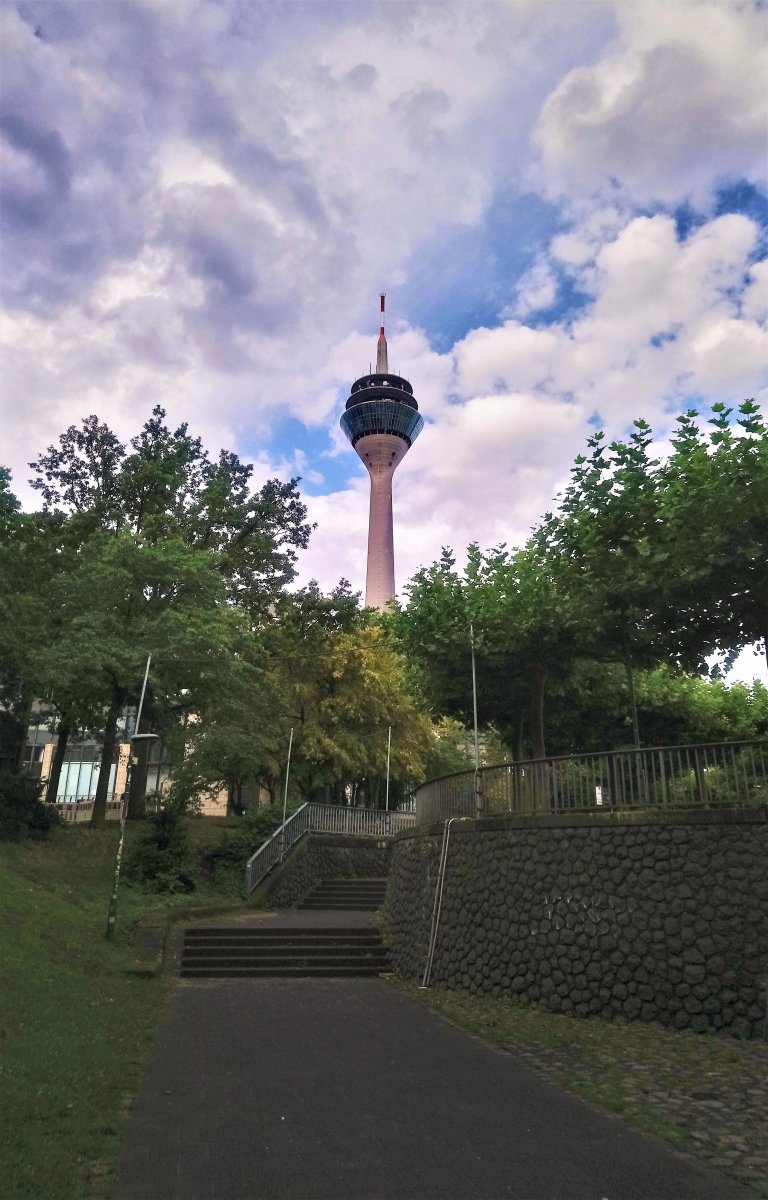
<point x="379" y="416"/>
<point x="382" y="404"/>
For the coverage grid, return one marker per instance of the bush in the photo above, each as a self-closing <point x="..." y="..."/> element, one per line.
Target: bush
<point x="226" y="862"/>
<point x="22" y="813"/>
<point x="161" y="859"/>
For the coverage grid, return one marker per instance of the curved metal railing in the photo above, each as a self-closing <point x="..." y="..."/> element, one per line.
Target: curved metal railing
<point x="708" y="775"/>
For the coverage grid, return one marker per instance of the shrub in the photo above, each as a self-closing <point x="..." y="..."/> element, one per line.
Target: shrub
<point x="22" y="813"/>
<point x="161" y="859"/>
<point x="227" y="860"/>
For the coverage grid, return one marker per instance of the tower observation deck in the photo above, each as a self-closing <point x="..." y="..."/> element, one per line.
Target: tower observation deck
<point x="382" y="421"/>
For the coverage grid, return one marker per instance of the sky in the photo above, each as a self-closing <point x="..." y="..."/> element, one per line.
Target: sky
<point x="565" y="202"/>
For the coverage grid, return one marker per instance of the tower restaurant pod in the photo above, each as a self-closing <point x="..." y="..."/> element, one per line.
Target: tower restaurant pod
<point x="382" y="421"/>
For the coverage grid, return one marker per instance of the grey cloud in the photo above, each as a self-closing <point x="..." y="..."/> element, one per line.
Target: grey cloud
<point x="419" y="110"/>
<point x="53" y="21"/>
<point x="362" y="77"/>
<point x="45" y="146"/>
<point x="220" y="265"/>
<point x="675" y="128"/>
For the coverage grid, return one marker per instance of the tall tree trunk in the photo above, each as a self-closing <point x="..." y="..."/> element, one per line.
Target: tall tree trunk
<point x="517" y="748"/>
<point x="99" y="814"/>
<point x="137" y="789"/>
<point x="538" y="680"/>
<point x="14" y="729"/>
<point x="540" y="772"/>
<point x="52" y="786"/>
<point x="631" y="686"/>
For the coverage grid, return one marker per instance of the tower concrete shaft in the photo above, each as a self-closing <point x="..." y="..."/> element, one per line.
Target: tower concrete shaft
<point x="381" y="420"/>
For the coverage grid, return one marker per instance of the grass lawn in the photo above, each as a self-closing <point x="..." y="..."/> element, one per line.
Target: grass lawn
<point x="74" y="1027"/>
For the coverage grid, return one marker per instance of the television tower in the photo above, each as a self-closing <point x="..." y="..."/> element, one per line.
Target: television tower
<point x="381" y="420"/>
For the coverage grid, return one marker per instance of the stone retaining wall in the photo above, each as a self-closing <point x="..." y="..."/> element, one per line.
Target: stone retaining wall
<point x="655" y="918"/>
<point x="327" y="856"/>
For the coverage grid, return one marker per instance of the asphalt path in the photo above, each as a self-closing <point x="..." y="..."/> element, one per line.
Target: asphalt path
<point x="282" y="1089"/>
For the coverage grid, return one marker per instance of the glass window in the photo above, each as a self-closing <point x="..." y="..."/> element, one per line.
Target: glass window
<point x="382" y="416"/>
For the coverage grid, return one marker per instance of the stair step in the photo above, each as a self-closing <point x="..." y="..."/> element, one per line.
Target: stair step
<point x="280" y="972"/>
<point x="229" y="952"/>
<point x="248" y="931"/>
<point x="287" y="960"/>
<point x="377" y="897"/>
<point x="310" y="943"/>
<point x="340" y="891"/>
<point x="362" y="892"/>
<point x="283" y="952"/>
<point x="361" y="885"/>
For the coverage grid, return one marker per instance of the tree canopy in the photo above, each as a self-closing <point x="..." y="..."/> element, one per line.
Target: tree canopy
<point x="649" y="565"/>
<point x="154" y="548"/>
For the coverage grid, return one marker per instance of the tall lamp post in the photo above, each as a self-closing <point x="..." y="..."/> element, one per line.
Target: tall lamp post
<point x="389" y="753"/>
<point x="135" y="737"/>
<point x="478" y="791"/>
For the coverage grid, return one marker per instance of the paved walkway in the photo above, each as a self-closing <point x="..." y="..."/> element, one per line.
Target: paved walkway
<point x="281" y="1089"/>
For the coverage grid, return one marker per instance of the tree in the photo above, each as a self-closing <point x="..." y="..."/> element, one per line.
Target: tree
<point x="589" y="711"/>
<point x="645" y="549"/>
<point x="344" y="686"/>
<point x="164" y="539"/>
<point x="511" y="601"/>
<point x="31" y="555"/>
<point x="715" y="528"/>
<point x="638" y="566"/>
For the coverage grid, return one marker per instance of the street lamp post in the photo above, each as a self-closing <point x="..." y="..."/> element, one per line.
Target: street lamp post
<point x="135" y="736"/>
<point x="478" y="793"/>
<point x="389" y="750"/>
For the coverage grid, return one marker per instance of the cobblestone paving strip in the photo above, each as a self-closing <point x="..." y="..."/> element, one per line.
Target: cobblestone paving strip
<point x="706" y="1094"/>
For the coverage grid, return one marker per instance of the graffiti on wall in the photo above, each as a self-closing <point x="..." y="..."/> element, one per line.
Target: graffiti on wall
<point x="596" y="915"/>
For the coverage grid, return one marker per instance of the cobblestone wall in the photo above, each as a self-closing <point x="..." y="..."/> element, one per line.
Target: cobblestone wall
<point x="327" y="856"/>
<point x="656" y="919"/>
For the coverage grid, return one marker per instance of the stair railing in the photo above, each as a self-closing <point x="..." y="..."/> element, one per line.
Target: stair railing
<point x="262" y="862"/>
<point x="322" y="818"/>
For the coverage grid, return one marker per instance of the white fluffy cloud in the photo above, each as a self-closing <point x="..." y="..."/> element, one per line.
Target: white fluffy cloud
<point x="669" y="319"/>
<point x="203" y="199"/>
<point x="674" y="105"/>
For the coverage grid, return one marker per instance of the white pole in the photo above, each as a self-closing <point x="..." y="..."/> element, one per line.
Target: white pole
<point x="389" y="749"/>
<point x="112" y="911"/>
<point x="478" y="804"/>
<point x="141" y="698"/>
<point x="285" y="796"/>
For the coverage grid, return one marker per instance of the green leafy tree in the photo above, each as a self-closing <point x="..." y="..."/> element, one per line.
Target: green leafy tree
<point x="165" y="540"/>
<point x="344" y="687"/>
<point x="508" y="604"/>
<point x="31" y="556"/>
<point x="640" y="565"/>
<point x="714" y="529"/>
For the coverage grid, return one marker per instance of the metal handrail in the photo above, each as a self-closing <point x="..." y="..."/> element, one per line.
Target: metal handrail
<point x="705" y="775"/>
<point x="321" y="818"/>
<point x="273" y="850"/>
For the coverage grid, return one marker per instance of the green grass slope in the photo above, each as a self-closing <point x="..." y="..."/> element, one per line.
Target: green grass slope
<point x="74" y="1027"/>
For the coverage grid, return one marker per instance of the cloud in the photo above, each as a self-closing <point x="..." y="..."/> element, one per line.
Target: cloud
<point x="204" y="199"/>
<point x="508" y="408"/>
<point x="676" y="106"/>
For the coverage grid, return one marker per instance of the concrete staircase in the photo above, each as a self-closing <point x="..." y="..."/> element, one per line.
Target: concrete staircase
<point x="249" y="952"/>
<point x="352" y="895"/>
